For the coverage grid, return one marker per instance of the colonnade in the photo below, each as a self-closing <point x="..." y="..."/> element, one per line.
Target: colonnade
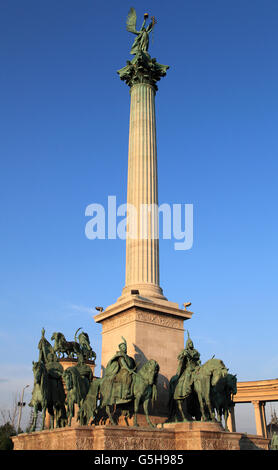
<point x="258" y="393"/>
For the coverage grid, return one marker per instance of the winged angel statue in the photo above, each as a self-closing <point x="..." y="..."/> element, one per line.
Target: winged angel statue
<point x="142" y="68"/>
<point x="141" y="42"/>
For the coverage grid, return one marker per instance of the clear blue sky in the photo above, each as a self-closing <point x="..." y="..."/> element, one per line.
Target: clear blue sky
<point x="64" y="145"/>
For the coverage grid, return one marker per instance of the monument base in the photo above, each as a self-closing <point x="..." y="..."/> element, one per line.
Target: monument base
<point x="153" y="329"/>
<point x="198" y="435"/>
<point x="176" y="436"/>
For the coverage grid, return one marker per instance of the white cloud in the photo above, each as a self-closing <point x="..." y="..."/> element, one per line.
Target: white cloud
<point x="82" y="309"/>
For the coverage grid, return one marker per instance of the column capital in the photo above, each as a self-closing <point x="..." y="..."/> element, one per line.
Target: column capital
<point x="142" y="69"/>
<point x="255" y="402"/>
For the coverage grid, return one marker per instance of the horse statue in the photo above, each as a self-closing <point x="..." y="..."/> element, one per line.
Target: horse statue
<point x="39" y="400"/>
<point x="47" y="396"/>
<point x="197" y="396"/>
<point x="84" y="342"/>
<point x="221" y="396"/>
<point x="77" y="388"/>
<point x="205" y="378"/>
<point x="102" y="394"/>
<point x="62" y="346"/>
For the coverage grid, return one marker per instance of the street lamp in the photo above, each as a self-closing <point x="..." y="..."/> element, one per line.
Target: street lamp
<point x="20" y="404"/>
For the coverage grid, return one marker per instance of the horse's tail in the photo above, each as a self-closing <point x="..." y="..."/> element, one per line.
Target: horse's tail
<point x="96" y="388"/>
<point x="172" y="385"/>
<point x="154" y="385"/>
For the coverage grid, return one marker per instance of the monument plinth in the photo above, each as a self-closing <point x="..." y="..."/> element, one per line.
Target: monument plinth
<point x="152" y="329"/>
<point x="179" y="436"/>
<point x="151" y="325"/>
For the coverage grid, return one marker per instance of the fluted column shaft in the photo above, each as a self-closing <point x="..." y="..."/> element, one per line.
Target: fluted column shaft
<point x="142" y="244"/>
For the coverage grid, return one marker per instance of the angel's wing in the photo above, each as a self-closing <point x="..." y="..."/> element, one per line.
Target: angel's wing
<point x="131" y="21"/>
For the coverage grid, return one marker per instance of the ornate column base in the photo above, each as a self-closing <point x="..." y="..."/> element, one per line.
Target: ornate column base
<point x="146" y="291"/>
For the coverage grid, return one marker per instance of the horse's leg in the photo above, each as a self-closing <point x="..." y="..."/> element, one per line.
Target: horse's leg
<point x="107" y="409"/>
<point x="146" y="411"/>
<point x="173" y="415"/>
<point x="180" y="402"/>
<point x="34" y="420"/>
<point x="226" y="414"/>
<point x="219" y="415"/>
<point x="201" y="403"/>
<point x="80" y="416"/>
<point x="209" y="406"/>
<point x="136" y="407"/>
<point x="171" y="409"/>
<point x="125" y="414"/>
<point x="43" y="418"/>
<point x="57" y="411"/>
<point x="71" y="412"/>
<point x="51" y="413"/>
<point x="203" y="397"/>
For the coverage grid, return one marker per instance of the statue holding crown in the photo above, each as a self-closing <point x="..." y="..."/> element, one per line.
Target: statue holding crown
<point x="141" y="42"/>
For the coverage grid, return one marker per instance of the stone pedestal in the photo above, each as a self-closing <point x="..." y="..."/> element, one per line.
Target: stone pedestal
<point x="210" y="436"/>
<point x="179" y="436"/>
<point x="153" y="330"/>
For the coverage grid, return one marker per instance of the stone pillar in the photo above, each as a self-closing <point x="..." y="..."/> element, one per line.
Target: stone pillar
<point x="263" y="418"/>
<point x="259" y="408"/>
<point x="142" y="244"/>
<point x="231" y="420"/>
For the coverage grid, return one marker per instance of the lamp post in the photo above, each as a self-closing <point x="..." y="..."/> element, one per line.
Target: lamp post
<point x="20" y="404"/>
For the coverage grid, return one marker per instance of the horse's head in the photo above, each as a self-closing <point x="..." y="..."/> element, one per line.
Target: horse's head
<point x="156" y="371"/>
<point x="59" y="339"/>
<point x="58" y="336"/>
<point x="83" y="338"/>
<point x="218" y="375"/>
<point x="232" y="383"/>
<point x="54" y="337"/>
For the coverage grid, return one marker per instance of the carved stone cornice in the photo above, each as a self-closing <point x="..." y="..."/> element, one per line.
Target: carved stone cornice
<point x="138" y="315"/>
<point x="135" y="302"/>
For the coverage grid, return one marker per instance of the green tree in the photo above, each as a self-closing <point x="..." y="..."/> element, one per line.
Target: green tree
<point x="6" y="431"/>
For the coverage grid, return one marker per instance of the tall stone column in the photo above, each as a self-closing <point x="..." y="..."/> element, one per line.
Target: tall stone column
<point x="142" y="244"/>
